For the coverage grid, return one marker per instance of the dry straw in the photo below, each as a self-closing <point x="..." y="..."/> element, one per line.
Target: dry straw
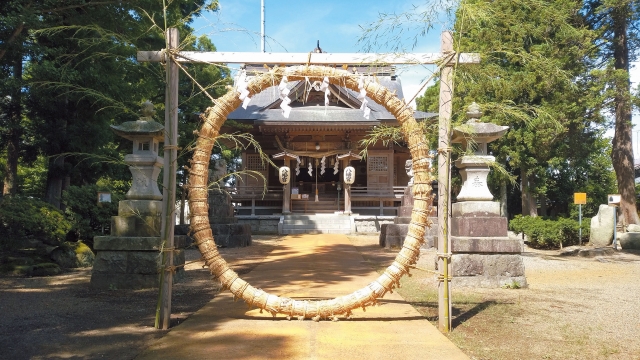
<point x="213" y="119"/>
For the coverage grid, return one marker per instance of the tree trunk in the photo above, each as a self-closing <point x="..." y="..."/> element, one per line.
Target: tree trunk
<point x="531" y="201"/>
<point x="55" y="181"/>
<point x="14" y="114"/>
<point x="622" y="151"/>
<point x="528" y="202"/>
<point x="543" y="205"/>
<point x="11" y="168"/>
<point x="524" y="190"/>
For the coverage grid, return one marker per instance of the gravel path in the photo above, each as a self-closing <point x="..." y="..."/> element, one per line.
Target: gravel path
<point x="595" y="299"/>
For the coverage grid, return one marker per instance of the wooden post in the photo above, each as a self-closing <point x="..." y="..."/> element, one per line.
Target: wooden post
<point x="444" y="181"/>
<point x="286" y="195"/>
<point x="169" y="180"/>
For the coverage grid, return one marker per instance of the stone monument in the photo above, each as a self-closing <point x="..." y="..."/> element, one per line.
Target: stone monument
<point x="130" y="257"/>
<point x="393" y="235"/>
<point x="602" y="226"/>
<point x="224" y="226"/>
<point x="483" y="254"/>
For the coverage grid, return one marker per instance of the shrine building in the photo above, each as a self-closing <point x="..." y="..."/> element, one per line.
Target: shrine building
<point x="317" y="141"/>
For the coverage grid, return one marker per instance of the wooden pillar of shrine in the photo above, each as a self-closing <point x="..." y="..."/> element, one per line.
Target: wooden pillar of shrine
<point x="286" y="195"/>
<point x="345" y="160"/>
<point x="286" y="191"/>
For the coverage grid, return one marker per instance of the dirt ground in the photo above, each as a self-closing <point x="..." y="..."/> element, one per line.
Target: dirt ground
<point x="574" y="308"/>
<point x="60" y="317"/>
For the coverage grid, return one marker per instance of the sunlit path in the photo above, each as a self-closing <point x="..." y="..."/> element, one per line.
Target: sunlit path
<point x="303" y="267"/>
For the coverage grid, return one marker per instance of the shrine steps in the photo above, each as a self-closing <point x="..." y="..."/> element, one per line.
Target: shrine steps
<point x="316" y="224"/>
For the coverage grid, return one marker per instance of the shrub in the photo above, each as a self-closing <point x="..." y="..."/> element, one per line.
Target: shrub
<point x="87" y="217"/>
<point x="22" y="219"/>
<point x="549" y="233"/>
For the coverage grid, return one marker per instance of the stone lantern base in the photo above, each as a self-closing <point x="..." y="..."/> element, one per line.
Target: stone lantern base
<point x="393" y="235"/>
<point x="482" y="253"/>
<point x="131" y="257"/>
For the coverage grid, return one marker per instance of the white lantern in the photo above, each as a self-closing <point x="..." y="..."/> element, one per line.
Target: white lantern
<point x="284" y="175"/>
<point x="349" y="175"/>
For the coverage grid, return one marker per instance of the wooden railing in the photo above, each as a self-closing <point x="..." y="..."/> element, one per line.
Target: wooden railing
<point x="366" y="198"/>
<point x="377" y="191"/>
<point x="255" y="191"/>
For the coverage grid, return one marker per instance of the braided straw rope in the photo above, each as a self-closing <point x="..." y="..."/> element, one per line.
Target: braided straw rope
<point x="213" y="119"/>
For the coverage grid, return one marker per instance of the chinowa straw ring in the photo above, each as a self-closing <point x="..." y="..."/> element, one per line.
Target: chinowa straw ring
<point x="213" y="119"/>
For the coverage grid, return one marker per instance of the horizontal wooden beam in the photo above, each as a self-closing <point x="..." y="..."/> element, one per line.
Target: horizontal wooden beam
<point x="306" y="58"/>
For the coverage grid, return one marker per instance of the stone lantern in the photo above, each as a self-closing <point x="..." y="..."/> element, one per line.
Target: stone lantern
<point x="129" y="257"/>
<point x="144" y="163"/>
<point x="474" y="168"/>
<point x="483" y="253"/>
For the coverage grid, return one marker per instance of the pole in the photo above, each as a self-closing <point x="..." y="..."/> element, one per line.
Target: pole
<point x="444" y="179"/>
<point x="615" y="227"/>
<point x="580" y="223"/>
<point x="163" y="312"/>
<point x="262" y="26"/>
<point x="316" y="164"/>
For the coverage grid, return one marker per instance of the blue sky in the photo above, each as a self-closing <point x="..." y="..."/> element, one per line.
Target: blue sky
<point x="295" y="26"/>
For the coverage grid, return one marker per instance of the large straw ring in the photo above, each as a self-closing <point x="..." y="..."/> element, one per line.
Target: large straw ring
<point x="323" y="309"/>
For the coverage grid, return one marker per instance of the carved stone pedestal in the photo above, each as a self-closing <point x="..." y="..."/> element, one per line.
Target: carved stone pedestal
<point x="131" y="257"/>
<point x="483" y="254"/>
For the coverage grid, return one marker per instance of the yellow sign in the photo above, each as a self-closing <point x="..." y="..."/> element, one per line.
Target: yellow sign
<point x="580" y="198"/>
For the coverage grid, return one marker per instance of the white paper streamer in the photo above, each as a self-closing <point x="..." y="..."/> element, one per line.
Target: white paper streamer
<point x="322" y="165"/>
<point x="298" y="165"/>
<point x="362" y="96"/>
<point x="286" y="109"/>
<point x="310" y="168"/>
<point x="325" y="87"/>
<point x="242" y="89"/>
<point x="284" y="92"/>
<point x="335" y="166"/>
<point x="367" y="112"/>
<point x="245" y="102"/>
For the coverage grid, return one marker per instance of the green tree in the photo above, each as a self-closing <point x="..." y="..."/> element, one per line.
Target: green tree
<point x="533" y="77"/>
<point x="72" y="62"/>
<point x="617" y="24"/>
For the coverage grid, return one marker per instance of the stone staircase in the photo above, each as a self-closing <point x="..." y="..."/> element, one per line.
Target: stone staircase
<point x="315" y="224"/>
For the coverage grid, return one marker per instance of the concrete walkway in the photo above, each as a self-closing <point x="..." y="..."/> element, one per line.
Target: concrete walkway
<point x="306" y="266"/>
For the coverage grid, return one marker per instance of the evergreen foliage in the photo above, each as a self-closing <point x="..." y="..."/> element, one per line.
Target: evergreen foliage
<point x="535" y="77"/>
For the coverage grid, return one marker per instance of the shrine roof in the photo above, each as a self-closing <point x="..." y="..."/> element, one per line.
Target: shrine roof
<point x="264" y="108"/>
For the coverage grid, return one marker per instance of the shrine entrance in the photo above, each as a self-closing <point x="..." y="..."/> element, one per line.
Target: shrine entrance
<point x="242" y="95"/>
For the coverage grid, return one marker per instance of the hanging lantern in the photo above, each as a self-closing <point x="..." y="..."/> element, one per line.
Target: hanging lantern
<point x="284" y="175"/>
<point x="349" y="175"/>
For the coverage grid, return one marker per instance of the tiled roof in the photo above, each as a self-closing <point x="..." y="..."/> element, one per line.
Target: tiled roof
<point x="259" y="108"/>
